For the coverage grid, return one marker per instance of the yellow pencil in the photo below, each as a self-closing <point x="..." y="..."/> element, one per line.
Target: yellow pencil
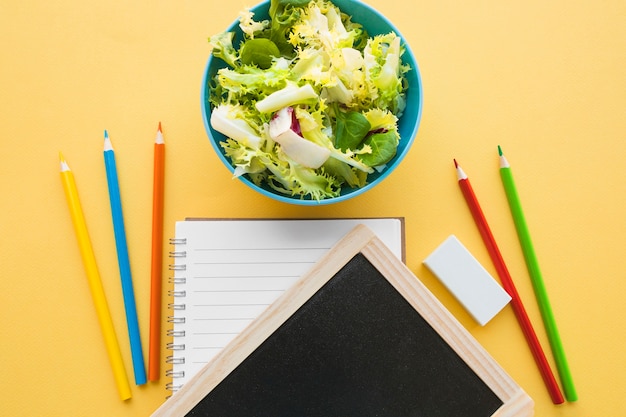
<point x="95" y="283"/>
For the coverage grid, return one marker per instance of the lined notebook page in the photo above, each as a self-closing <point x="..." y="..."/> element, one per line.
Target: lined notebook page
<point x="226" y="272"/>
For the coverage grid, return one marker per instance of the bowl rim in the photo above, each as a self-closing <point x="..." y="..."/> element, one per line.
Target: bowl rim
<point x="409" y="56"/>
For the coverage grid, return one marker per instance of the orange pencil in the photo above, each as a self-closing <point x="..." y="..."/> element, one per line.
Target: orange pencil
<point x="157" y="257"/>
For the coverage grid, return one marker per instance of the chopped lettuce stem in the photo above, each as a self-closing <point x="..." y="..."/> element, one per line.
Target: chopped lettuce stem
<point x="287" y="96"/>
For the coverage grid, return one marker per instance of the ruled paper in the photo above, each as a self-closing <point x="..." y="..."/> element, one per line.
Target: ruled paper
<point x="234" y="269"/>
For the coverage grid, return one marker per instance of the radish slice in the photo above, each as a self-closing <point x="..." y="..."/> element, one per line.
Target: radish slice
<point x="302" y="151"/>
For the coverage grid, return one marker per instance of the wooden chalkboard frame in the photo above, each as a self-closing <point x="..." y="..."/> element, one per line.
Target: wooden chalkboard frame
<point x="361" y="240"/>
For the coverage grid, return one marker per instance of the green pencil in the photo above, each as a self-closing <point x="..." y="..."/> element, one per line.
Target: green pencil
<point x="537" y="280"/>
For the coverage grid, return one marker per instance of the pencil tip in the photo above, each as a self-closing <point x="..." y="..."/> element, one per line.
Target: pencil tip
<point x="503" y="162"/>
<point x="63" y="163"/>
<point x="159" y="136"/>
<point x="108" y="146"/>
<point x="459" y="171"/>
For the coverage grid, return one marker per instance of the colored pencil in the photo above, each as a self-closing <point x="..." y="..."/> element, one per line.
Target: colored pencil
<point x="124" y="262"/>
<point x="157" y="257"/>
<point x="509" y="286"/>
<point x="536" y="277"/>
<point x="95" y="282"/>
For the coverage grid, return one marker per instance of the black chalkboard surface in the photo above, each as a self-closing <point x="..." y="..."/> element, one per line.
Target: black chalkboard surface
<point x="358" y="336"/>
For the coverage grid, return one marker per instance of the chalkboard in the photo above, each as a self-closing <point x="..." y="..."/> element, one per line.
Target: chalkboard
<point x="359" y="336"/>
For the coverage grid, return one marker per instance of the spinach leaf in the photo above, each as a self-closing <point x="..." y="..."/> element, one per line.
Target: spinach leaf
<point x="339" y="169"/>
<point x="258" y="51"/>
<point x="350" y="129"/>
<point x="383" y="146"/>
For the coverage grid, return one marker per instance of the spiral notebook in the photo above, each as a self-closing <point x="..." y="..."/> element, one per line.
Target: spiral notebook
<point x="225" y="272"/>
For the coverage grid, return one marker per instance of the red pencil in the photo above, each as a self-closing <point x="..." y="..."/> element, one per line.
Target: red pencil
<point x="509" y="286"/>
<point x="157" y="258"/>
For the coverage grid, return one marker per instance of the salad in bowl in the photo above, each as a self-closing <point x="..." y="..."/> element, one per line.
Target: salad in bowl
<point x="308" y="104"/>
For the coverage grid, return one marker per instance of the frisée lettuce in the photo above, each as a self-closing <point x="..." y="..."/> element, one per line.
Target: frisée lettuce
<point x="309" y="102"/>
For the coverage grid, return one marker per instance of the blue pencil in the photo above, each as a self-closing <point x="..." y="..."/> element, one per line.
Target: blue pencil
<point x="124" y="262"/>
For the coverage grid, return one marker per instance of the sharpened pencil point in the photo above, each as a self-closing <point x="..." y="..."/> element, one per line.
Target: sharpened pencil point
<point x="503" y="162"/>
<point x="159" y="136"/>
<point x="459" y="171"/>
<point x="108" y="146"/>
<point x="63" y="162"/>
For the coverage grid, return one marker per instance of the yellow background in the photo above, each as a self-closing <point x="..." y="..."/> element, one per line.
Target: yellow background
<point x="546" y="80"/>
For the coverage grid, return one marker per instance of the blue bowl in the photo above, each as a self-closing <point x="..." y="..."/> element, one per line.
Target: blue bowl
<point x="375" y="24"/>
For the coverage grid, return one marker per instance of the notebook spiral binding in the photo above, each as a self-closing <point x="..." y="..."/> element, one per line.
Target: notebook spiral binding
<point x="177" y="278"/>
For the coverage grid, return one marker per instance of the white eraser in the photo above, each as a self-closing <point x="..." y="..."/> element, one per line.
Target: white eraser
<point x="469" y="282"/>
